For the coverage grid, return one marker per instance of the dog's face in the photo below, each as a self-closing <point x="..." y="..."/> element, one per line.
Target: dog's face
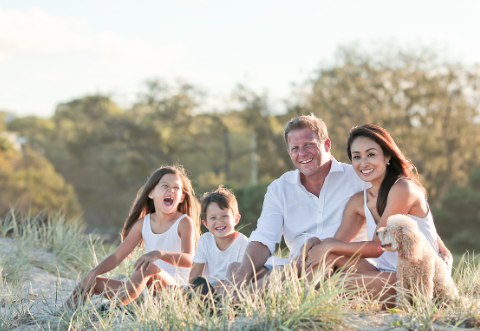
<point x="386" y="236"/>
<point x="400" y="235"/>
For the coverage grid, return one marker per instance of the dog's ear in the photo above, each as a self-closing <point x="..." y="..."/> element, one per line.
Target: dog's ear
<point x="409" y="244"/>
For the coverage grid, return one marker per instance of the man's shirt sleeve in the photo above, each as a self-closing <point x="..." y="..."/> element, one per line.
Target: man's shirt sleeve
<point x="270" y="224"/>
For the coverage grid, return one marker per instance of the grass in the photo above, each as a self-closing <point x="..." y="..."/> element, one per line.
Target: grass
<point x="60" y="248"/>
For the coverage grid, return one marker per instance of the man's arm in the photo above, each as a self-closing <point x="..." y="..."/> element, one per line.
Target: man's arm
<point x="255" y="257"/>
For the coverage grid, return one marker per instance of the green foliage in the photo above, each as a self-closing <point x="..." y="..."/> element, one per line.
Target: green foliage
<point x="107" y="153"/>
<point x="458" y="220"/>
<point x="30" y="183"/>
<point x="250" y="201"/>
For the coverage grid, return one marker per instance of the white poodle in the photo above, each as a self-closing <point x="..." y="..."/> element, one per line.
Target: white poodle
<point x="419" y="267"/>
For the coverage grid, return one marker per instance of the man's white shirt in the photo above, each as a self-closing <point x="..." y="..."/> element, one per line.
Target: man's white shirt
<point x="290" y="209"/>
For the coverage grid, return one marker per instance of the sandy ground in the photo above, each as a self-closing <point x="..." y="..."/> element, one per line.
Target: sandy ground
<point x="41" y="294"/>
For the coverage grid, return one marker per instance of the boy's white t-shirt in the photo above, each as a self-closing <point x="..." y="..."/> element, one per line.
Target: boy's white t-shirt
<point x="216" y="260"/>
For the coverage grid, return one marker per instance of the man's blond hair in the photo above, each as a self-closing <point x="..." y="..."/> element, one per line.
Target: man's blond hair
<point x="312" y="122"/>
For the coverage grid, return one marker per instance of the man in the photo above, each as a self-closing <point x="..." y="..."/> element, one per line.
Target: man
<point x="307" y="204"/>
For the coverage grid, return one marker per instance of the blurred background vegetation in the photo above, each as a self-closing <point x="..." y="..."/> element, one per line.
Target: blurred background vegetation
<point x="92" y="156"/>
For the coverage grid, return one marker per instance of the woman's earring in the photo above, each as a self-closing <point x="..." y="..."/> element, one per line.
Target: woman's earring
<point x="388" y="163"/>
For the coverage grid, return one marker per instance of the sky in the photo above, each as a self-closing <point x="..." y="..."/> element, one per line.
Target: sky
<point x="54" y="51"/>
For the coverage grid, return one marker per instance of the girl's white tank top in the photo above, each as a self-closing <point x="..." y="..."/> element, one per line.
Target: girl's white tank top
<point x="168" y="241"/>
<point x="388" y="260"/>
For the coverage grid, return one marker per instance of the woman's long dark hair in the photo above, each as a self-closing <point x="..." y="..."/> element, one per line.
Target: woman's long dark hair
<point x="399" y="166"/>
<point x="143" y="205"/>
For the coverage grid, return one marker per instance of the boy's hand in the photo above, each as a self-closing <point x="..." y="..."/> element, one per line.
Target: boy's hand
<point x="146" y="260"/>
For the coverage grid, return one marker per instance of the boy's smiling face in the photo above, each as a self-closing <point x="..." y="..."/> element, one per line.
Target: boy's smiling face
<point x="220" y="222"/>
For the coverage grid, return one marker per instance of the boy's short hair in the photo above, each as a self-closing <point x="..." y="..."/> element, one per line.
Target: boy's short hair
<point x="311" y="121"/>
<point x="223" y="197"/>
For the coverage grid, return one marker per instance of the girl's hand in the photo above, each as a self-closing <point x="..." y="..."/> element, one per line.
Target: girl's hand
<point x="146" y="260"/>
<point x="88" y="281"/>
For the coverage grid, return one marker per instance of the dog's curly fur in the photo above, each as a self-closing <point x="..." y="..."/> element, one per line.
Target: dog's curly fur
<point x="419" y="267"/>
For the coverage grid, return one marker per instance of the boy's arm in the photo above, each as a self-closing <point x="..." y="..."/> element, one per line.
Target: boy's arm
<point x="196" y="271"/>
<point x="255" y="257"/>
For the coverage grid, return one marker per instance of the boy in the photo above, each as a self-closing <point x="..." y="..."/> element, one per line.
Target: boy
<point x="222" y="245"/>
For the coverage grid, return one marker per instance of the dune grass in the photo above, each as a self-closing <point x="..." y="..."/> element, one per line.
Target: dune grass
<point x="60" y="247"/>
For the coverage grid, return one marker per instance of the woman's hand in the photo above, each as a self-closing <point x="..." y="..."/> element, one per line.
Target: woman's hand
<point x="318" y="253"/>
<point x="146" y="260"/>
<point x="448" y="259"/>
<point x="304" y="251"/>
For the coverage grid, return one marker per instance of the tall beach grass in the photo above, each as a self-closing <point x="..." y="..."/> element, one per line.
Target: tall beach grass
<point x="60" y="247"/>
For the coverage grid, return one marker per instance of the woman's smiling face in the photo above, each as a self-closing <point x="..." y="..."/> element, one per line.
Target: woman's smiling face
<point x="368" y="159"/>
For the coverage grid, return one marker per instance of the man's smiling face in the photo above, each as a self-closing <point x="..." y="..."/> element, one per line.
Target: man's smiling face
<point x="307" y="152"/>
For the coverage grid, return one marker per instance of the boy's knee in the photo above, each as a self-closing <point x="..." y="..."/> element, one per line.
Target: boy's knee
<point x="232" y="267"/>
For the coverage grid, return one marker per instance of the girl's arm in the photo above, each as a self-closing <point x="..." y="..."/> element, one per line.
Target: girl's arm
<point x="122" y="251"/>
<point x="183" y="259"/>
<point x="196" y="271"/>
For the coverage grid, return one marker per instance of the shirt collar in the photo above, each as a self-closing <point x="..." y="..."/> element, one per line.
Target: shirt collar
<point x="295" y="175"/>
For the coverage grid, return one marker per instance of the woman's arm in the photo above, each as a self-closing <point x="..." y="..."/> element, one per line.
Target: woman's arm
<point x="353" y="219"/>
<point x="400" y="200"/>
<point x="181" y="259"/>
<point x="445" y="253"/>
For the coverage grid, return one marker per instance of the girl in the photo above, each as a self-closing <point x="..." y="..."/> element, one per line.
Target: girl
<point x="164" y="217"/>
<point x="395" y="189"/>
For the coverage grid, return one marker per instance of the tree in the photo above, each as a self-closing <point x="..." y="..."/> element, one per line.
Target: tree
<point x="31" y="185"/>
<point x="461" y="211"/>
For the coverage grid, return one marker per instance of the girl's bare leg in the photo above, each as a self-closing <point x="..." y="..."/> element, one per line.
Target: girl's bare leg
<point x="154" y="277"/>
<point x="86" y="288"/>
<point x="124" y="291"/>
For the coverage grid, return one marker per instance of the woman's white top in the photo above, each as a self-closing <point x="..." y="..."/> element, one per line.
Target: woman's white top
<point x="388" y="260"/>
<point x="168" y="241"/>
<point x="216" y="260"/>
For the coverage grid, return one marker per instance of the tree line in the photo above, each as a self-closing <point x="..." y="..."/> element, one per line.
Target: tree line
<point x="103" y="153"/>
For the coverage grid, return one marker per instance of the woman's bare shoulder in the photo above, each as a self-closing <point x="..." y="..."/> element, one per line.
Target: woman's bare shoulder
<point x="405" y="186"/>
<point x="356" y="202"/>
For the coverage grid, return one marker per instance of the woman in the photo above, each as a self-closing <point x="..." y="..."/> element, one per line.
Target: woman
<point x="395" y="189"/>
